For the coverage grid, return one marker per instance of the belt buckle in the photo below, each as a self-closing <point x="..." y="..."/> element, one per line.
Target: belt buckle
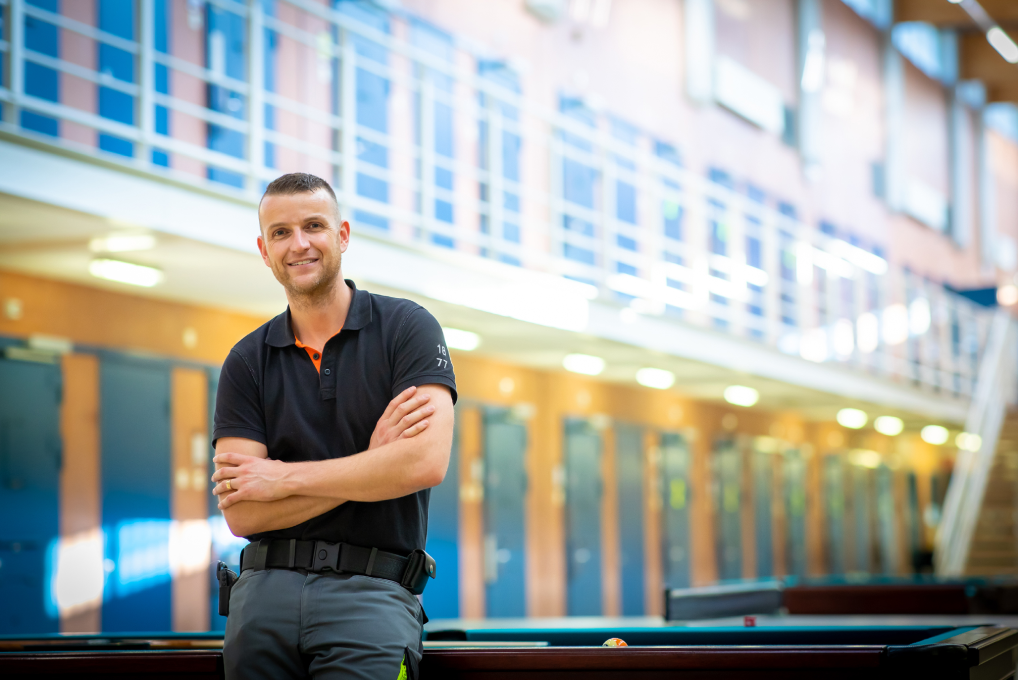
<point x="326" y="556"/>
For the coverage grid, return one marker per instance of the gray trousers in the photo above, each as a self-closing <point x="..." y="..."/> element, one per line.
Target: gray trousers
<point x="286" y="624"/>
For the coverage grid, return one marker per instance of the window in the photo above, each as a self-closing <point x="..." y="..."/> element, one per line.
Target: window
<point x="625" y="198"/>
<point x="225" y="58"/>
<point x="41" y="81"/>
<point x="508" y="168"/>
<point x="161" y="32"/>
<point x="579" y="185"/>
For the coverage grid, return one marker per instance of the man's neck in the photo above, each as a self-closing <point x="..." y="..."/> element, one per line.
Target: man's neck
<point x="315" y="321"/>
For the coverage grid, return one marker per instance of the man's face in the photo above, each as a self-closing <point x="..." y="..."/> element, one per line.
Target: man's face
<point x="303" y="242"/>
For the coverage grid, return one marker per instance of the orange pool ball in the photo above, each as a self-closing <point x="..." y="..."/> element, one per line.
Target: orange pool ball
<point x="614" y="642"/>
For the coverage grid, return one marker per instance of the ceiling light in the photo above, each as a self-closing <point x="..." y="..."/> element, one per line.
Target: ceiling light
<point x="655" y="377"/>
<point x="888" y="425"/>
<point x="934" y="434"/>
<point x="464" y="340"/>
<point x="1007" y="295"/>
<point x="967" y="441"/>
<point x="865" y="458"/>
<point x="740" y="395"/>
<point x="122" y="243"/>
<point x="583" y="363"/>
<point x="852" y="418"/>
<point x="125" y="272"/>
<point x="1002" y="42"/>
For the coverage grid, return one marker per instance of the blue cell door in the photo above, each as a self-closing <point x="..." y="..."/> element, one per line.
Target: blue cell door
<point x="30" y="452"/>
<point x="218" y="525"/>
<point x="629" y="476"/>
<point x="442" y="597"/>
<point x="834" y="511"/>
<point x="795" y="511"/>
<point x="505" y="488"/>
<point x="727" y="464"/>
<point x="763" y="519"/>
<point x="675" y="515"/>
<point x="583" y="518"/>
<point x="135" y="427"/>
<point x="862" y="534"/>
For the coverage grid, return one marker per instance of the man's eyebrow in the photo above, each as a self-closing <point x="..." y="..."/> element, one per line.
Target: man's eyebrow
<point x="309" y="218"/>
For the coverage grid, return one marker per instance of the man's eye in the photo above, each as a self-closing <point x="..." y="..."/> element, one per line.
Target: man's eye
<point x="278" y="232"/>
<point x="315" y="225"/>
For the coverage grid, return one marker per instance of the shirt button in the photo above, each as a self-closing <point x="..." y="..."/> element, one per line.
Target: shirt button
<point x="327" y="371"/>
<point x="317" y="357"/>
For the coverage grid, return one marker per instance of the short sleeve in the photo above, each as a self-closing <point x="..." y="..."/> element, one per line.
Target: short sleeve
<point x="238" y="404"/>
<point x="420" y="355"/>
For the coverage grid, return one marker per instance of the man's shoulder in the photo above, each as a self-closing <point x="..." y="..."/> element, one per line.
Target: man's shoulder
<point x="393" y="311"/>
<point x="253" y="343"/>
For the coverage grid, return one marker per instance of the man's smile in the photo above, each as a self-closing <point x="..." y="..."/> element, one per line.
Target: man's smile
<point x="300" y="263"/>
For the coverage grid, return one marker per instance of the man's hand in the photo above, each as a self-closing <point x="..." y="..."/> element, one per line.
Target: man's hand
<point x="251" y="478"/>
<point x="404" y="418"/>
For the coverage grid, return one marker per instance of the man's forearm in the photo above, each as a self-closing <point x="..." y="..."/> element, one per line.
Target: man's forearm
<point x="395" y="470"/>
<point x="254" y="517"/>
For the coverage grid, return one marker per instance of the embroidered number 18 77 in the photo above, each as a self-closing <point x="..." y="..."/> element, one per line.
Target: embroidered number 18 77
<point x="442" y="361"/>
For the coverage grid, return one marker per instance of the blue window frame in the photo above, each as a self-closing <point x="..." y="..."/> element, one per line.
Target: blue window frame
<point x="439" y="43"/>
<point x="225" y="57"/>
<point x="372" y="108"/>
<point x="117" y="18"/>
<point x="499" y="73"/>
<point x="579" y="180"/>
<point x="270" y="58"/>
<point x="789" y="281"/>
<point x="163" y="20"/>
<point x="41" y="81"/>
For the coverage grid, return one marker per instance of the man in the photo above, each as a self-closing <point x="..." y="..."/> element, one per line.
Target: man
<point x="333" y="420"/>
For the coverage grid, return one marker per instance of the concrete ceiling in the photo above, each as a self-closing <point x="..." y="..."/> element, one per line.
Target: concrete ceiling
<point x="51" y="242"/>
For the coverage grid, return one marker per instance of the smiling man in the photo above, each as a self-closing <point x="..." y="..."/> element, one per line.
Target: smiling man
<point x="333" y="421"/>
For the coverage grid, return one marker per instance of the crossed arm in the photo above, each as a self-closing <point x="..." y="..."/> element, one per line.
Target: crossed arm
<point x="409" y="451"/>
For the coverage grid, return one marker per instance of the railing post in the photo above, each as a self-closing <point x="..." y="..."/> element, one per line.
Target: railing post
<point x="770" y="262"/>
<point x="146" y="79"/>
<point x="256" y="95"/>
<point x="348" y="114"/>
<point x="16" y="34"/>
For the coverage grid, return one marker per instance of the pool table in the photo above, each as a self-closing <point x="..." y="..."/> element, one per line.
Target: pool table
<point x="871" y="652"/>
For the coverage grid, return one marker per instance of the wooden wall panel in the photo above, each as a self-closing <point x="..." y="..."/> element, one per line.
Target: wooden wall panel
<point x="611" y="570"/>
<point x="471" y="529"/>
<point x="190" y="542"/>
<point x="652" y="540"/>
<point x="97" y="317"/>
<point x="80" y="486"/>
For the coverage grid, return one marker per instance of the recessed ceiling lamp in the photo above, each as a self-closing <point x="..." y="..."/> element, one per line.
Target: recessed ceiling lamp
<point x="125" y="272"/>
<point x="459" y="339"/>
<point x="1002" y="42"/>
<point x="967" y="441"/>
<point x="852" y="418"/>
<point x="657" y="378"/>
<point x="583" y="363"/>
<point x="934" y="434"/>
<point x="740" y="395"/>
<point x="888" y="425"/>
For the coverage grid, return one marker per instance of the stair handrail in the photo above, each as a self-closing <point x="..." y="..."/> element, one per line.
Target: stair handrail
<point x="967" y="488"/>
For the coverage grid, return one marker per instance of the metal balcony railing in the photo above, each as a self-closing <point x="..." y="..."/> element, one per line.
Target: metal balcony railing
<point x="431" y="143"/>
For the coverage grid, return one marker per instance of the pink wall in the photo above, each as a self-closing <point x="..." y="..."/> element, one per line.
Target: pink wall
<point x="74" y="91"/>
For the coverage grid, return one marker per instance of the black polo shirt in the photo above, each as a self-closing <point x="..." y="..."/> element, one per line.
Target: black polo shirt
<point x="270" y="392"/>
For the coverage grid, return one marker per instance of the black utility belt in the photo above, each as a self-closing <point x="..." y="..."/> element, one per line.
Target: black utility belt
<point x="411" y="572"/>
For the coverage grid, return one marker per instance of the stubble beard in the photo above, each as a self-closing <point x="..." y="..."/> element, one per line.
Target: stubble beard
<point x="315" y="293"/>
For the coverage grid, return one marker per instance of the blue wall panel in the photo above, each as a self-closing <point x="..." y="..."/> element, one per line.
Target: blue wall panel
<point x="30" y="453"/>
<point x="505" y="486"/>
<point x="763" y="483"/>
<point x="675" y="464"/>
<point x="629" y="476"/>
<point x="583" y="518"/>
<point x="136" y="484"/>
<point x="442" y="596"/>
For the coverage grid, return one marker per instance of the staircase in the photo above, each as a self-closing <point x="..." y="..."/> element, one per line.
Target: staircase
<point x="977" y="531"/>
<point x="994" y="549"/>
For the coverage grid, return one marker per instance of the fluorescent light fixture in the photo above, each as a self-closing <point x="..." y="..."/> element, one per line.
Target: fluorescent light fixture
<point x="583" y="363"/>
<point x="967" y="441"/>
<point x="863" y="259"/>
<point x="888" y="425"/>
<point x="125" y="272"/>
<point x="657" y="378"/>
<point x="122" y="243"/>
<point x="813" y="346"/>
<point x="844" y="338"/>
<point x="865" y="458"/>
<point x="1002" y="42"/>
<point x="852" y="418"/>
<point x="464" y="340"/>
<point x="934" y="434"/>
<point x="740" y="395"/>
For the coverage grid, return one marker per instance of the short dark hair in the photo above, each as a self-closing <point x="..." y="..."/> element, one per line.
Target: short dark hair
<point x="298" y="183"/>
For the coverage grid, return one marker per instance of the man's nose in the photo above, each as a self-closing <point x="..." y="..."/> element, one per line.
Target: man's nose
<point x="300" y="240"/>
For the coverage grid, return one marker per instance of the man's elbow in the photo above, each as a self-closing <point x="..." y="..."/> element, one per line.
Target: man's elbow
<point x="433" y="466"/>
<point x="239" y="526"/>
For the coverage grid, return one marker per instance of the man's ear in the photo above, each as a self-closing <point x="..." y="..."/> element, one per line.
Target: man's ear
<point x="344" y="236"/>
<point x="264" y="252"/>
